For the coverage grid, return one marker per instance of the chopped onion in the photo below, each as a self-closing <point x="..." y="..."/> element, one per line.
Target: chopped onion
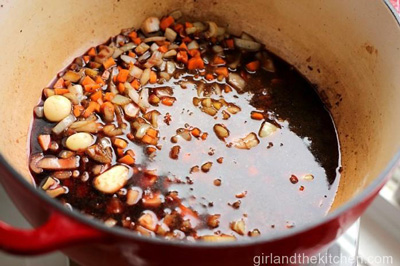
<point x="190" y="30"/>
<point x="193" y="45"/>
<point x="267" y="129"/>
<point x="200" y="27"/>
<point x="170" y="53"/>
<point x="154" y="47"/>
<point x="77" y="90"/>
<point x="217" y="49"/>
<point x="136" y="72"/>
<point x="145" y="77"/>
<point x="39" y="111"/>
<point x="142" y="130"/>
<point x="212" y="30"/>
<point x="163" y="92"/>
<point x="86" y="126"/>
<point x="155" y="39"/>
<point x="170" y="34"/>
<point x="247" y="45"/>
<point x="128" y="46"/>
<point x="170" y="68"/>
<point x="237" y="81"/>
<point x="266" y="61"/>
<point x="128" y="59"/>
<point x="132" y="93"/>
<point x="142" y="59"/>
<point x="34" y="161"/>
<point x="64" y="124"/>
<point x="72" y="97"/>
<point x="144" y="99"/>
<point x="142" y="48"/>
<point x="165" y="76"/>
<point x="104" y="54"/>
<point x="154" y="60"/>
<point x="117" y="52"/>
<point x="150" y="24"/>
<point x="120" y="100"/>
<point x="131" y="110"/>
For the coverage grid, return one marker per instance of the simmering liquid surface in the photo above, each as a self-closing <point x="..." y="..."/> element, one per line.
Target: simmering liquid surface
<point x="289" y="178"/>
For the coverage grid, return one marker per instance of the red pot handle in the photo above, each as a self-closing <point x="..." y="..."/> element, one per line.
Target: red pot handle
<point x="58" y="232"/>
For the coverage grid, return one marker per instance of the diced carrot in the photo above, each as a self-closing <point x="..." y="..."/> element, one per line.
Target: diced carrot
<point x="204" y="136"/>
<point x="96" y="96"/>
<point x="188" y="25"/>
<point x="194" y="53"/>
<point x="148" y="140"/>
<point x="195" y="63"/>
<point x="152" y="132"/>
<point x="87" y="80"/>
<point x="230" y="44"/>
<point x="123" y="75"/>
<point x="120" y="152"/>
<point x="93" y="106"/>
<point x="120" y="143"/>
<point x="223" y="71"/>
<point x="227" y="89"/>
<point x="133" y="35"/>
<point x="196" y="132"/>
<point x="182" y="56"/>
<point x="135" y="84"/>
<point x="168" y="101"/>
<point x="131" y="54"/>
<point x="78" y="110"/>
<point x="163" y="49"/>
<point x="44" y="141"/>
<point x="127" y="159"/>
<point x="153" y="77"/>
<point x="59" y="84"/>
<point x="109" y="63"/>
<point x="186" y="40"/>
<point x="99" y="80"/>
<point x="166" y="22"/>
<point x="61" y="91"/>
<point x="183" y="46"/>
<point x="131" y="153"/>
<point x="185" y="211"/>
<point x="86" y="58"/>
<point x="121" y="87"/>
<point x="137" y="41"/>
<point x="150" y="150"/>
<point x="253" y="66"/>
<point x="209" y="77"/>
<point x="257" y="115"/>
<point x="108" y="96"/>
<point x="67" y="83"/>
<point x="218" y="61"/>
<point x="92" y="87"/>
<point x="92" y="52"/>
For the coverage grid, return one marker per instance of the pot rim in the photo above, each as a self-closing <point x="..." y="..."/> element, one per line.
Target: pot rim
<point x="128" y="234"/>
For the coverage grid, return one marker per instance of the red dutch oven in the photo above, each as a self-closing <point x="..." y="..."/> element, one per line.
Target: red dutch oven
<point x="350" y="51"/>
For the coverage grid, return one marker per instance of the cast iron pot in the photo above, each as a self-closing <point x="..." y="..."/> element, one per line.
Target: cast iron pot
<point x="348" y="49"/>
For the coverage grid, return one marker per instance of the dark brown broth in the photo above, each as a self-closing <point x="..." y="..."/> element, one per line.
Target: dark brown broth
<point x="305" y="144"/>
